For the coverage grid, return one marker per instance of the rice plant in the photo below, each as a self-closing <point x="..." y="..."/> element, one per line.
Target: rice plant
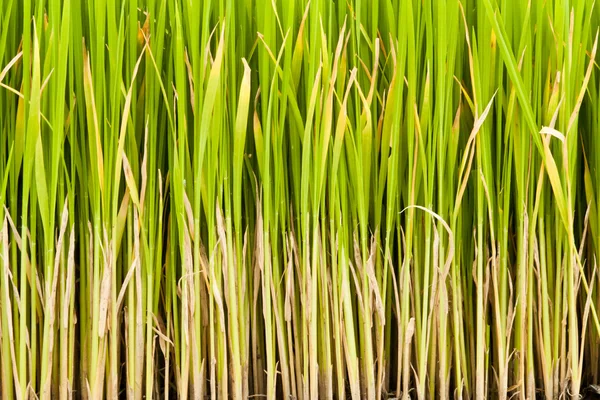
<point x="299" y="199"/>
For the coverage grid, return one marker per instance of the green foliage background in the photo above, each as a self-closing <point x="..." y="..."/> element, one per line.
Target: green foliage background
<point x="294" y="199"/>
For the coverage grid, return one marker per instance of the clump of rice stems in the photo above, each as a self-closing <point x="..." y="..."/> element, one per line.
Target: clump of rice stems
<point x="299" y="199"/>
